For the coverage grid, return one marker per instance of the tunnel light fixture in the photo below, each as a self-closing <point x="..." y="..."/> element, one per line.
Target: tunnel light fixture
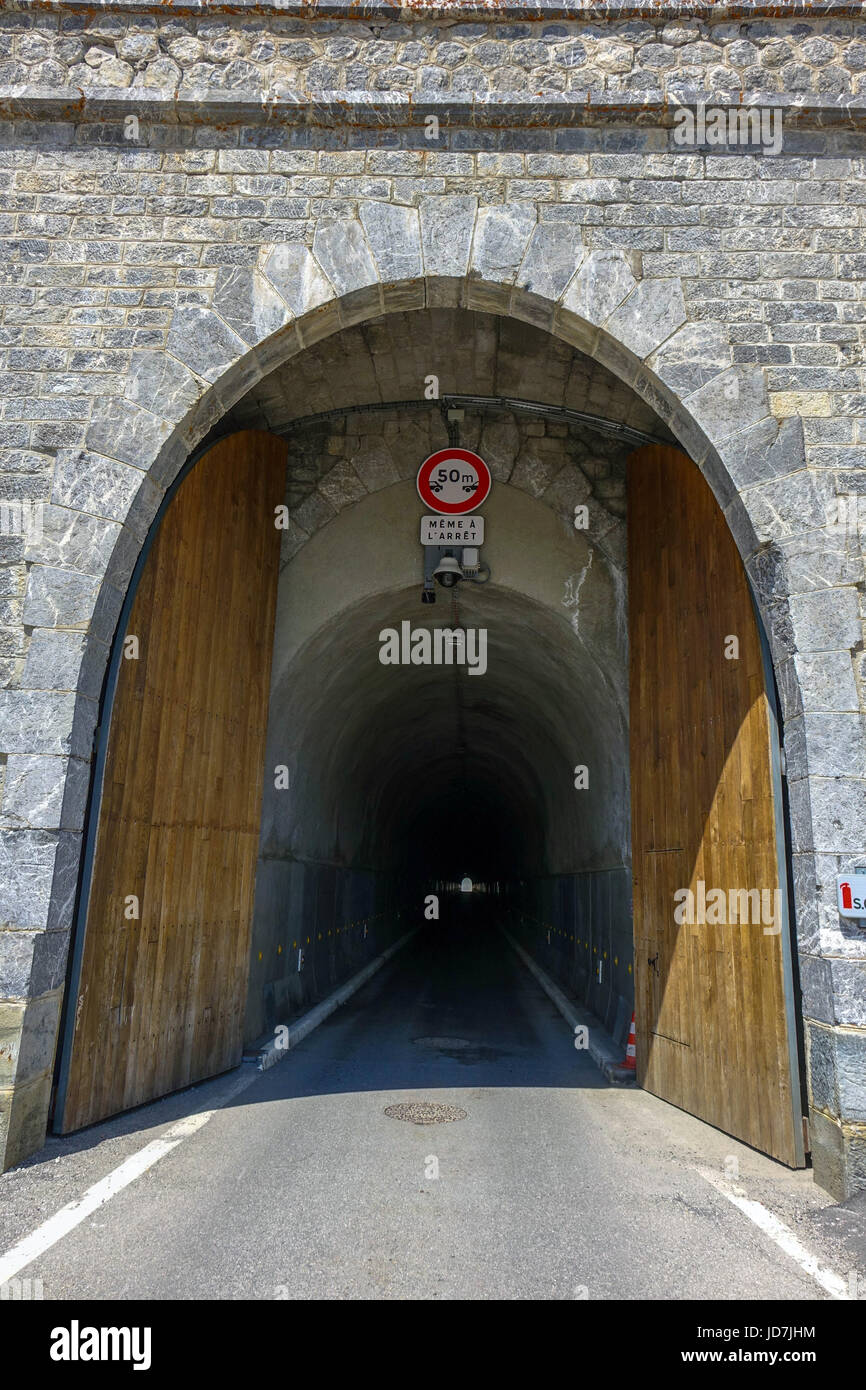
<point x="448" y="571"/>
<point x="442" y="565"/>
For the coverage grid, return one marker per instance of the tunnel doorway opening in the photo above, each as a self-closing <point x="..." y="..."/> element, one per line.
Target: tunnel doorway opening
<point x="369" y="774"/>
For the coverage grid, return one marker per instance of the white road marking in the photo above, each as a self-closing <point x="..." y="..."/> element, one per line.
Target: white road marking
<point x="72" y="1215"/>
<point x="783" y="1236"/>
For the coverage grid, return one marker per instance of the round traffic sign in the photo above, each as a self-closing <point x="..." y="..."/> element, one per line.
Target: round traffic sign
<point x="453" y="481"/>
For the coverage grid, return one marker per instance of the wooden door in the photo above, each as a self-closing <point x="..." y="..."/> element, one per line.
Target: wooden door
<point x="162" y="973"/>
<point x="713" y="997"/>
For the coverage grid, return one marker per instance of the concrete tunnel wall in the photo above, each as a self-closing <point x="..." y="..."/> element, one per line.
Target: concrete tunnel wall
<point x="402" y="775"/>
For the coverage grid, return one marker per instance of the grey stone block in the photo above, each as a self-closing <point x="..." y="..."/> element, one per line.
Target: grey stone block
<point x="826" y="620"/>
<point x="248" y="303"/>
<point x="766" y="450"/>
<point x="203" y="342"/>
<point x="732" y="401"/>
<point x="342" y="251"/>
<point x="59" y="598"/>
<point x="500" y="441"/>
<point x="838" y="815"/>
<point x="817" y="989"/>
<point x="602" y="283"/>
<point x="652" y="312"/>
<point x="161" y="384"/>
<point x="552" y="258"/>
<point x="500" y="240"/>
<point x="783" y="506"/>
<point x="836" y="744"/>
<point x="829" y="1160"/>
<point x="341" y="486"/>
<point x="26" y="867"/>
<point x="36" y="721"/>
<point x="374" y="464"/>
<point x="123" y="431"/>
<point x="298" y="278"/>
<point x="394" y="237"/>
<point x="64" y="881"/>
<point x="802" y="833"/>
<point x="50" y="953"/>
<point x="73" y="540"/>
<point x="568" y="489"/>
<point x="53" y="660"/>
<point x="31" y="963"/>
<point x="88" y="482"/>
<point x="851" y="1073"/>
<point x="692" y="356"/>
<point x="38" y="790"/>
<point x="823" y="1083"/>
<point x="447" y="224"/>
<point x="313" y="512"/>
<point x="28" y="1038"/>
<point x="849" y="991"/>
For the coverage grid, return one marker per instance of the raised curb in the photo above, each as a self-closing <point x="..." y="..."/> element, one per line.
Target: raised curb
<point x="602" y="1048"/>
<point x="273" y="1052"/>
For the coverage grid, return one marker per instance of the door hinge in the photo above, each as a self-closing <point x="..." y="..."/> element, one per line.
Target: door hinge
<point x="783" y="761"/>
<point x="807" y="1143"/>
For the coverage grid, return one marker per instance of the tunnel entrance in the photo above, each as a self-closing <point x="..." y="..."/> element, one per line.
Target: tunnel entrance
<point x="275" y="802"/>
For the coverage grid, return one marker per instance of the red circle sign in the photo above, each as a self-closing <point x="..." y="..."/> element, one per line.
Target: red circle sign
<point x="453" y="481"/>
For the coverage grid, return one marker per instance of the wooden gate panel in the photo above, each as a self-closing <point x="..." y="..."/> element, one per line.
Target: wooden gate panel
<point x="160" y="999"/>
<point x="714" y="1002"/>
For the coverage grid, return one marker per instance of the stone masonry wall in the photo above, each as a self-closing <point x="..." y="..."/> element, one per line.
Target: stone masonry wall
<point x="287" y="55"/>
<point x="152" y="272"/>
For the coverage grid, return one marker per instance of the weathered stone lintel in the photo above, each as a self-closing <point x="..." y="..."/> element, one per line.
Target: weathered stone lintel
<point x="711" y="11"/>
<point x="364" y="109"/>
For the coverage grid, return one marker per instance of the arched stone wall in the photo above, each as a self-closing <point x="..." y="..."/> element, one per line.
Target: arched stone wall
<point x="508" y="259"/>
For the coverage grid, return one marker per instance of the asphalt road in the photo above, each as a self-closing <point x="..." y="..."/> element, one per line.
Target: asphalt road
<point x="555" y="1185"/>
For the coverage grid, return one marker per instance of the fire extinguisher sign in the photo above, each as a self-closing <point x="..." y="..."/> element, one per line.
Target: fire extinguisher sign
<point x="851" y="893"/>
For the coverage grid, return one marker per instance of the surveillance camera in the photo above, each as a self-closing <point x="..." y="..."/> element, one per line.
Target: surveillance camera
<point x="448" y="572"/>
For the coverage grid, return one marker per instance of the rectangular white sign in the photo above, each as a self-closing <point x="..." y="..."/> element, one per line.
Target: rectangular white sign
<point x="851" y="894"/>
<point x="452" y="530"/>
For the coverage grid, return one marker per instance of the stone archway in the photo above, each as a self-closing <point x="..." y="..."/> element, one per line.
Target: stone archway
<point x="448" y="252"/>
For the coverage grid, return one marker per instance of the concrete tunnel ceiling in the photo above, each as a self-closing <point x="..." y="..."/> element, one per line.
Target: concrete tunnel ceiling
<point x="428" y="770"/>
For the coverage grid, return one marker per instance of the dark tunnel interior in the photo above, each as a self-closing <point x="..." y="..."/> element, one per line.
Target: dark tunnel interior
<point x="400" y="778"/>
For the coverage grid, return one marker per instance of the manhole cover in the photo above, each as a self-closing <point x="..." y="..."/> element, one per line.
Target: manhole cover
<point x="425" y="1112"/>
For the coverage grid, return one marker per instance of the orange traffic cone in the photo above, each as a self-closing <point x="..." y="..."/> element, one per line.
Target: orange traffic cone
<point x="629" y="1060"/>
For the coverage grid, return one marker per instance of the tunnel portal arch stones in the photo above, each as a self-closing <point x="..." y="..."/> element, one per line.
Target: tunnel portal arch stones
<point x="781" y="464"/>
